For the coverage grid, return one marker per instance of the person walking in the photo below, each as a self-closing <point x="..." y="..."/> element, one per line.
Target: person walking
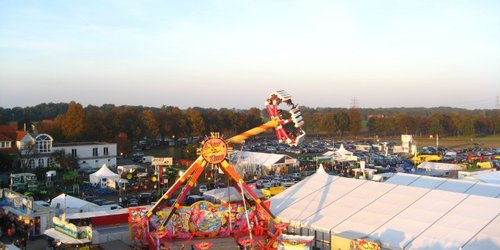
<point x="10" y="233"/>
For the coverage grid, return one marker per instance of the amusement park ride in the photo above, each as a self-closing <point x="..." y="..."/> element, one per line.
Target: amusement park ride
<point x="251" y="223"/>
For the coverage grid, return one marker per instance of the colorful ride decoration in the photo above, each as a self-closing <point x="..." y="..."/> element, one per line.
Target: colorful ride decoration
<point x="209" y="220"/>
<point x="295" y="242"/>
<point x="203" y="245"/>
<point x="289" y="127"/>
<point x="364" y="244"/>
<point x="204" y="218"/>
<point x="138" y="226"/>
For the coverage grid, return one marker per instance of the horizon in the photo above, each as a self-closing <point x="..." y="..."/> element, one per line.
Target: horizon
<point x="261" y="108"/>
<point x="224" y="53"/>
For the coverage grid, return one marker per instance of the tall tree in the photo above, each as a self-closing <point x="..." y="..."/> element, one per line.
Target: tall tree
<point x="73" y="122"/>
<point x="96" y="126"/>
<point x="496" y="123"/>
<point x="435" y="124"/>
<point x="151" y="124"/>
<point x="128" y="120"/>
<point x="355" y="120"/>
<point x="342" y="121"/>
<point x="466" y="126"/>
<point x="327" y="123"/>
<point x="180" y="122"/>
<point x="404" y="123"/>
<point x="195" y="121"/>
<point x="253" y="118"/>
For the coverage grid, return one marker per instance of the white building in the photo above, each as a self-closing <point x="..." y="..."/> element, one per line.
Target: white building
<point x="90" y="154"/>
<point x="38" y="151"/>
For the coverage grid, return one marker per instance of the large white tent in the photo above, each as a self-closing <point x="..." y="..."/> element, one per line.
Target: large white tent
<point x="69" y="204"/>
<point x="257" y="163"/>
<point x="101" y="176"/>
<point x="222" y="195"/>
<point x="341" y="154"/>
<point x="399" y="216"/>
<point x="492" y="177"/>
<point x="452" y="185"/>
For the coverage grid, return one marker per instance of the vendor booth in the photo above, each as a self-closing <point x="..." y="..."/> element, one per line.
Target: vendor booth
<point x="20" y="211"/>
<point x="66" y="235"/>
<point x="101" y="176"/>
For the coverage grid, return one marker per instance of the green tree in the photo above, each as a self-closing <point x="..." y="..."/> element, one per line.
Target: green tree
<point x="466" y="126"/>
<point x="496" y="123"/>
<point x="96" y="126"/>
<point x="435" y="124"/>
<point x="327" y="123"/>
<point x="253" y="119"/>
<point x="342" y="121"/>
<point x="213" y="120"/>
<point x="128" y="119"/>
<point x="67" y="162"/>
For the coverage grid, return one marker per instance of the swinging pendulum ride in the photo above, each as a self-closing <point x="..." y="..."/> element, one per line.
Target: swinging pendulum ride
<point x="214" y="150"/>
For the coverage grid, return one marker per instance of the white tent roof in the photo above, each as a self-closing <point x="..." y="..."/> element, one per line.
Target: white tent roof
<point x="413" y="221"/>
<point x="462" y="223"/>
<point x="289" y="196"/>
<point x="103" y="172"/>
<point x="259" y="158"/>
<point x="397" y="215"/>
<point x="452" y="185"/>
<point x="483" y="239"/>
<point x="341" y="154"/>
<point x="232" y="195"/>
<point x="343" y="151"/>
<point x="71" y="204"/>
<point x="491" y="177"/>
<point x="440" y="166"/>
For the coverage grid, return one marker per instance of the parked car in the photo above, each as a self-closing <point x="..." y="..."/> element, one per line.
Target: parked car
<point x="193" y="198"/>
<point x="145" y="198"/>
<point x="133" y="203"/>
<point x="203" y="189"/>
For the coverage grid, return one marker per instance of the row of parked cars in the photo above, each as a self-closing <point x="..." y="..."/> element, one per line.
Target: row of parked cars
<point x="275" y="181"/>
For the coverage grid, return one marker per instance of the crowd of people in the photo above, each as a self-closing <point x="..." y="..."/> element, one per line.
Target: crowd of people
<point x="12" y="232"/>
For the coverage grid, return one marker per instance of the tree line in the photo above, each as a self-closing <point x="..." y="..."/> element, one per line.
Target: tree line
<point x="69" y="122"/>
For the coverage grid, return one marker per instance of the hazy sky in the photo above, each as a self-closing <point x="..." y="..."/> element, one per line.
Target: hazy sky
<point x="233" y="53"/>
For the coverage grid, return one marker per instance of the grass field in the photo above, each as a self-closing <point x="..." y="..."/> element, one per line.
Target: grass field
<point x="460" y="142"/>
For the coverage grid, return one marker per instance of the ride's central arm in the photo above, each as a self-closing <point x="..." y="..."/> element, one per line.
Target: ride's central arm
<point x="252" y="132"/>
<point x="199" y="163"/>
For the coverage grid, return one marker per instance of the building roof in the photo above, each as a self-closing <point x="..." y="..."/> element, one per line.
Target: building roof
<point x="5" y="138"/>
<point x="20" y="135"/>
<point x="69" y="144"/>
<point x="399" y="216"/>
<point x="9" y="132"/>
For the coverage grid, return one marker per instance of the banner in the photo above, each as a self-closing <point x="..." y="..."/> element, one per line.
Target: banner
<point x="165" y="161"/>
